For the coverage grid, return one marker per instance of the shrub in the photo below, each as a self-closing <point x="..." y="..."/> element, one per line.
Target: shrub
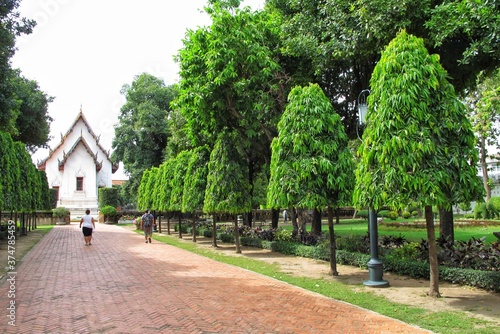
<point x="414" y="213"/>
<point x="283" y="235"/>
<point x="407" y="252"/>
<point x="393" y="215"/>
<point x="383" y="213"/>
<point x="109" y="210"/>
<point x="495" y="203"/>
<point x="184" y="227"/>
<point x="362" y="214"/>
<point x="353" y="243"/>
<point x="481" y="211"/>
<point x="110" y="214"/>
<point x="472" y="254"/>
<point x="60" y="212"/>
<point x="108" y="197"/>
<point x="406" y="214"/>
<point x="389" y="241"/>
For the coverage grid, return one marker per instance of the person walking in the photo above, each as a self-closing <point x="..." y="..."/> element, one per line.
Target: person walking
<point x="147" y="221"/>
<point x="88" y="223"/>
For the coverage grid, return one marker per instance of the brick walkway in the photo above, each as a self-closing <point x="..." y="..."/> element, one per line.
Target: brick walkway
<point x="122" y="285"/>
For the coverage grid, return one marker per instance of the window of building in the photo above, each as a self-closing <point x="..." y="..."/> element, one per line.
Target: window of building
<point x="79" y="183"/>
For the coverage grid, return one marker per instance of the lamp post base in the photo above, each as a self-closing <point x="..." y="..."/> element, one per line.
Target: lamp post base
<point x="375" y="270"/>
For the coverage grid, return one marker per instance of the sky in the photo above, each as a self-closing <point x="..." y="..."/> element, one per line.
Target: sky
<point x="83" y="51"/>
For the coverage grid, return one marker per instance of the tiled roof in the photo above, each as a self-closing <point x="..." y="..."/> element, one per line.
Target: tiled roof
<point x="80" y="115"/>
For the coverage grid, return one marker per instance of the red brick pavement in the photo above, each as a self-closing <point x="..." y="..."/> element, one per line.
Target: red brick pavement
<point x="122" y="285"/>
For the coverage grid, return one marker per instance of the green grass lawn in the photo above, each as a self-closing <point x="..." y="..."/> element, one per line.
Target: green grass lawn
<point x="360" y="227"/>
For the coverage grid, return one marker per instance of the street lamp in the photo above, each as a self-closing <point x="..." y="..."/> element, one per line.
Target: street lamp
<point x="362" y="109"/>
<point x="375" y="267"/>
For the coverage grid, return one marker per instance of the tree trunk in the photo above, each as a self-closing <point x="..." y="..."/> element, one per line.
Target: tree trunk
<point x="194" y="227"/>
<point x="180" y="225"/>
<point x="446" y="229"/>
<point x="168" y="224"/>
<point x="214" y="231"/>
<point x="248" y="219"/>
<point x="302" y="222"/>
<point x="333" y="255"/>
<point x="316" y="222"/>
<point x="237" y="236"/>
<point x="293" y="217"/>
<point x="275" y="216"/>
<point x="431" y="238"/>
<point x="159" y="223"/>
<point x="484" y="167"/>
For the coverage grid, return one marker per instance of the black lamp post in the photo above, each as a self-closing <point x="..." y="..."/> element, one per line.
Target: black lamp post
<point x="375" y="267"/>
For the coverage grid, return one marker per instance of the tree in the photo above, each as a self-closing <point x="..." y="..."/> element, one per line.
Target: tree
<point x="11" y="25"/>
<point x="10" y="169"/>
<point x="33" y="122"/>
<point x="46" y="203"/>
<point x="165" y="176"/>
<point x="484" y="112"/>
<point x="142" y="133"/>
<point x="177" y="184"/>
<point x="337" y="43"/>
<point x="227" y="180"/>
<point x="311" y="165"/>
<point x="468" y="29"/>
<point x="418" y="144"/>
<point x="195" y="182"/>
<point x="242" y="89"/>
<point x="142" y="196"/>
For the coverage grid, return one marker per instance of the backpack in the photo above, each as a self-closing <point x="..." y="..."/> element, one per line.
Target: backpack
<point x="147" y="219"/>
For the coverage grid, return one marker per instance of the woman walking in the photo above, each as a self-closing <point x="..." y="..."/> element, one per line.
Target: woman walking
<point x="88" y="227"/>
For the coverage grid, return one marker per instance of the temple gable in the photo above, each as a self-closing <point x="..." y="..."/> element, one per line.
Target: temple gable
<point x="78" y="166"/>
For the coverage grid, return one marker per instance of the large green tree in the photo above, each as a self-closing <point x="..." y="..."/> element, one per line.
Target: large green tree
<point x="484" y="112"/>
<point x="467" y="33"/>
<point x="177" y="184"/>
<point x="141" y="135"/>
<point x="227" y="180"/>
<point x="418" y="144"/>
<point x="337" y="43"/>
<point x="33" y="122"/>
<point x="195" y="183"/>
<point x="11" y="26"/>
<point x="311" y="164"/>
<point x="231" y="78"/>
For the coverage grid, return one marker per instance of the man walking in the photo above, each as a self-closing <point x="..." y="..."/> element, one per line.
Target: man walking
<point x="147" y="221"/>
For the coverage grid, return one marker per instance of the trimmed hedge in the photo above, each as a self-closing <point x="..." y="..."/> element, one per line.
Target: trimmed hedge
<point x="488" y="280"/>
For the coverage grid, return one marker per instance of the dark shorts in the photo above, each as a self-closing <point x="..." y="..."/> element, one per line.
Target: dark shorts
<point x="87" y="231"/>
<point x="148" y="230"/>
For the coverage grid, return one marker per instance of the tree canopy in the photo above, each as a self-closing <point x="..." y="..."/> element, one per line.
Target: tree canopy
<point x="418" y="144"/>
<point x="337" y="43"/>
<point x="141" y="135"/>
<point x="311" y="165"/>
<point x="33" y="122"/>
<point x="11" y="26"/>
<point x="195" y="181"/>
<point x="227" y="180"/>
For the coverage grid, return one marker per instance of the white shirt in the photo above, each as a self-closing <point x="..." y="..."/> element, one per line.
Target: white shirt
<point x="87" y="221"/>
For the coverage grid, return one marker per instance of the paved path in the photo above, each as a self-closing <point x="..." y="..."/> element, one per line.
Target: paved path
<point x="122" y="285"/>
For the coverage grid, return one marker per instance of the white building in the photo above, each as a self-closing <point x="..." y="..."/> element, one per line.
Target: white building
<point x="77" y="167"/>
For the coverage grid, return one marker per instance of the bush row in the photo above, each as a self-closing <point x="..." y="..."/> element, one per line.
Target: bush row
<point x="488" y="280"/>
